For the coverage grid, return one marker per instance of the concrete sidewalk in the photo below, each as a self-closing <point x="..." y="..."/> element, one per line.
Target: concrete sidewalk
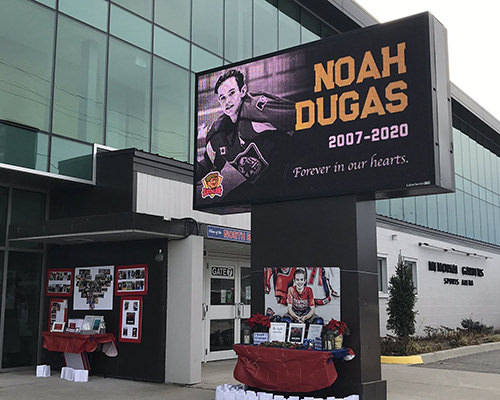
<point x="404" y="383"/>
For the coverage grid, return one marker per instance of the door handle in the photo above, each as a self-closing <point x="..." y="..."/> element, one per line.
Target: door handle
<point x="238" y="310"/>
<point x="204" y="311"/>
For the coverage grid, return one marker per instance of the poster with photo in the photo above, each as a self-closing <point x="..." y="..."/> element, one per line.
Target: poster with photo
<point x="58" y="311"/>
<point x="59" y="282"/>
<point x="93" y="288"/>
<point x="131" y="280"/>
<point x="308" y="295"/>
<point x="131" y="319"/>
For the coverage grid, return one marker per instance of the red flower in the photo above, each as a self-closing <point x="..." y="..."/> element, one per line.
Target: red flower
<point x="259" y="323"/>
<point x="338" y="327"/>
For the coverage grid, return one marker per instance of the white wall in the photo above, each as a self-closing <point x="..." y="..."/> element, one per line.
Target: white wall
<point x="439" y="303"/>
<point x="172" y="199"/>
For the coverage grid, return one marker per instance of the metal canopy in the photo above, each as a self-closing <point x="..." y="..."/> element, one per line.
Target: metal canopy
<point x="101" y="228"/>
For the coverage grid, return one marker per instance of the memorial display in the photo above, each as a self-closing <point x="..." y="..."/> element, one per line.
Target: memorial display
<point x="59" y="282"/>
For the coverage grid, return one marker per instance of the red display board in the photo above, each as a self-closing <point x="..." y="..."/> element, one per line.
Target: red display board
<point x="131" y="319"/>
<point x="131" y="280"/>
<point x="59" y="282"/>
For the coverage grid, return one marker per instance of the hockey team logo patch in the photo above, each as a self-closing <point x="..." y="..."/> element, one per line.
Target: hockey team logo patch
<point x="212" y="185"/>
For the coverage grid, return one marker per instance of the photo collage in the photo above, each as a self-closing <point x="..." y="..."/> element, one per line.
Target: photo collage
<point x="131" y="280"/>
<point x="130" y="323"/>
<point x="59" y="282"/>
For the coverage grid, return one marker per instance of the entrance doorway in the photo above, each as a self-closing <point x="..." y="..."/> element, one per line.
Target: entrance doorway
<point x="226" y="307"/>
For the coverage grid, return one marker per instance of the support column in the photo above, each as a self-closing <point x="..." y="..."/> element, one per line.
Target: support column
<point x="329" y="232"/>
<point x="184" y="299"/>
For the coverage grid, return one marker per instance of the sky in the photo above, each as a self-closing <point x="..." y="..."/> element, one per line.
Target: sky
<point x="473" y="41"/>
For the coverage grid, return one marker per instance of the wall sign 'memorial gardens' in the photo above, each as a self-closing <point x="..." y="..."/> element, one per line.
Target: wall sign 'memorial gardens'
<point x="367" y="112"/>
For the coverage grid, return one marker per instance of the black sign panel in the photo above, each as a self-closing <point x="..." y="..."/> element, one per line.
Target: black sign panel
<point x="367" y="112"/>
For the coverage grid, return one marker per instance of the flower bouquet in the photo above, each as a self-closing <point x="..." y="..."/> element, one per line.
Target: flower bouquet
<point x="260" y="325"/>
<point x="333" y="334"/>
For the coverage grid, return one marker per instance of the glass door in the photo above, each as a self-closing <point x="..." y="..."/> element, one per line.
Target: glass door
<point x="227" y="304"/>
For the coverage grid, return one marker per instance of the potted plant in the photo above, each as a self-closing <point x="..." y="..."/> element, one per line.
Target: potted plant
<point x="333" y="334"/>
<point x="259" y="324"/>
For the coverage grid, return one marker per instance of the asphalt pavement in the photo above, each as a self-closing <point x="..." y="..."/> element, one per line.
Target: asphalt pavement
<point x="474" y="376"/>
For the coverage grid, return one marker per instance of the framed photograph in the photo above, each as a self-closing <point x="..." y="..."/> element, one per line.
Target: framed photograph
<point x="88" y="323"/>
<point x="58" y="311"/>
<point x="75" y="325"/>
<point x="131" y="319"/>
<point x="97" y="322"/>
<point x="314" y="331"/>
<point x="277" y="332"/>
<point x="57" y="327"/>
<point x="131" y="280"/>
<point x="296" y="333"/>
<point x="59" y="282"/>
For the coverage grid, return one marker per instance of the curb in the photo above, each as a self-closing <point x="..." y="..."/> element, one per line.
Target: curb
<point x="440" y="355"/>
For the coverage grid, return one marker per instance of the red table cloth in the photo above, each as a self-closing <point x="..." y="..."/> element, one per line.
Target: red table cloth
<point x="284" y="370"/>
<point x="75" y="343"/>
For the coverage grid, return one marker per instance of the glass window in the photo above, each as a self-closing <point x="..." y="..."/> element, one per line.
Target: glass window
<point x="451" y="212"/>
<point x="413" y="266"/>
<point x="71" y="158"/>
<point x="457" y="151"/>
<point x="491" y="223"/>
<point x="469" y="219"/>
<point x="23" y="147"/>
<point x="397" y="208"/>
<point x="382" y="274"/>
<point x="466" y="168"/>
<point x="487" y="169"/>
<point x="311" y="27"/>
<point x="484" y="220"/>
<point x="432" y="212"/>
<point x="265" y="30"/>
<point x="496" y="212"/>
<point x="442" y="213"/>
<point x="421" y="210"/>
<point x="93" y="12"/>
<point x="238" y="30"/>
<point x="141" y="7"/>
<point x="289" y="27"/>
<point x="170" y="110"/>
<point x="208" y="24"/>
<point x="50" y="3"/>
<point x="175" y="15"/>
<point x="409" y="209"/>
<point x="27" y="206"/>
<point x="459" y="196"/>
<point x="129" y="91"/>
<point x="171" y="47"/>
<point x="4" y="197"/>
<point x="80" y="82"/>
<point x="476" y="215"/>
<point x="26" y="62"/>
<point x="481" y="165"/>
<point x="202" y="60"/>
<point x="130" y="28"/>
<point x="382" y="207"/>
<point x="494" y="172"/>
<point x="22" y="310"/>
<point x="473" y="161"/>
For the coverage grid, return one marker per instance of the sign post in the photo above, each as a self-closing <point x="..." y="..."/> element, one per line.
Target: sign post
<point x="307" y="138"/>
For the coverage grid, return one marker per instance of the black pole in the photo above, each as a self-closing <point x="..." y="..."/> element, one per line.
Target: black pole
<point x="329" y="232"/>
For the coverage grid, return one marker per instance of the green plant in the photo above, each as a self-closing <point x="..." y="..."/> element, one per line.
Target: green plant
<point x="475" y="326"/>
<point x="401" y="303"/>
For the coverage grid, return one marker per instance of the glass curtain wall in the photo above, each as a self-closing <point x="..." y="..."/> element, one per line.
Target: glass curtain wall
<point x="473" y="211"/>
<point x="21" y="276"/>
<point x="119" y="72"/>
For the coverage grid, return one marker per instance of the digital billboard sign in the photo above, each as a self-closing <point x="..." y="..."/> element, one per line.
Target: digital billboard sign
<point x="366" y="112"/>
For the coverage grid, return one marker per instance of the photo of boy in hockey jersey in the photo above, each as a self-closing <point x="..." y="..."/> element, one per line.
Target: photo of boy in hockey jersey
<point x="247" y="143"/>
<point x="300" y="300"/>
<point x="323" y="282"/>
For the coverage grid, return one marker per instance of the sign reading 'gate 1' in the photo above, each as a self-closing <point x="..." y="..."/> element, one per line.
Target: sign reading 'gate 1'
<point x="367" y="112"/>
